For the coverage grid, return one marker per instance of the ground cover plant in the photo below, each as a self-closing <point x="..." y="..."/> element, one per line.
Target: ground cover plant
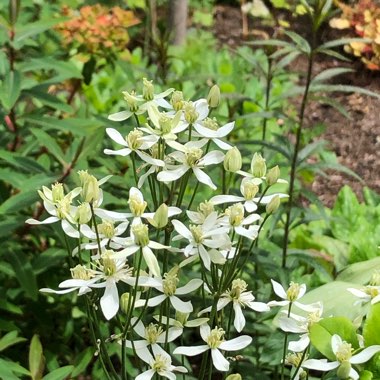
<point x="175" y="234"/>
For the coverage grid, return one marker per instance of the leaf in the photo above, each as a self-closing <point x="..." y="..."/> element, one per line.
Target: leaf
<point x="50" y="143"/>
<point x="36" y="358"/>
<point x="24" y="273"/>
<point x="48" y="259"/>
<point x="18" y="202"/>
<point x="331" y="73"/>
<point x="342" y="88"/>
<point x="332" y="103"/>
<point x="82" y="361"/>
<point x="48" y="100"/>
<point x="342" y="41"/>
<point x="335" y="54"/>
<point x="287" y="60"/>
<point x="272" y="146"/>
<point x="21" y="162"/>
<point x="10" y="89"/>
<point x="59" y="373"/>
<point x="10" y="339"/>
<point x="310" y="149"/>
<point x="322" y="332"/>
<point x="301" y="43"/>
<point x="371" y="331"/>
<point x="6" y="372"/>
<point x="360" y="273"/>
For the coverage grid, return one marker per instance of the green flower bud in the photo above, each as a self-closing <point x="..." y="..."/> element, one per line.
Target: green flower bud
<point x="160" y="217"/>
<point x="83" y="213"/>
<point x="90" y="187"/>
<point x="273" y="175"/>
<point x="191" y="114"/>
<point x="131" y="100"/>
<point x="234" y="376"/>
<point x="124" y="302"/>
<point x="148" y="89"/>
<point x="258" y="166"/>
<point x="177" y="100"/>
<point x="344" y="369"/>
<point x="57" y="192"/>
<point x="213" y="98"/>
<point x="141" y="234"/>
<point x="232" y="160"/>
<point x="273" y="205"/>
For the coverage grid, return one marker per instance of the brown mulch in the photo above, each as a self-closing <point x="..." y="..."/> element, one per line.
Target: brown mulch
<point x="356" y="141"/>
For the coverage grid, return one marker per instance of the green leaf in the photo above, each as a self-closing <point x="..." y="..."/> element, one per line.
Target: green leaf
<point x="18" y="202"/>
<point x="360" y="273"/>
<point x="332" y="103"/>
<point x="59" y="373"/>
<point x="6" y="372"/>
<point x="50" y="143"/>
<point x="371" y="331"/>
<point x="24" y="163"/>
<point x="82" y="361"/>
<point x="36" y="358"/>
<point x="342" y="88"/>
<point x="10" y="89"/>
<point x="48" y="259"/>
<point x="10" y="339"/>
<point x="342" y="41"/>
<point x="322" y="332"/>
<point x="24" y="273"/>
<point x="331" y="73"/>
<point x="301" y="43"/>
<point x="49" y="100"/>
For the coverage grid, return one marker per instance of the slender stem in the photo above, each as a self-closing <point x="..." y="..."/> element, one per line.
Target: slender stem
<point x="267" y="97"/>
<point x="300" y="363"/>
<point x="133" y="157"/>
<point x="294" y="160"/>
<point x="285" y="347"/>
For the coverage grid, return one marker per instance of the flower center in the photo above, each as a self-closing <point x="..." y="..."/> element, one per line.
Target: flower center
<point x="170" y="283"/>
<point x="215" y="339"/>
<point x="109" y="264"/>
<point x="191" y="115"/>
<point x="193" y="155"/>
<point x="313" y="318"/>
<point x="80" y="272"/>
<point x="83" y="213"/>
<point x="152" y="332"/>
<point x="57" y="192"/>
<point x="141" y="234"/>
<point x="293" y="291"/>
<point x="63" y="207"/>
<point x="177" y="100"/>
<point x="107" y="228"/>
<point x="131" y="101"/>
<point x="134" y="139"/>
<point x="375" y="279"/>
<point x="372" y="291"/>
<point x="148" y="89"/>
<point x="235" y="214"/>
<point x="206" y="208"/>
<point x="160" y="363"/>
<point x="344" y="352"/>
<point x="250" y="189"/>
<point x="238" y="287"/>
<point x="197" y="233"/>
<point x="136" y="205"/>
<point x="165" y="123"/>
<point x="210" y="123"/>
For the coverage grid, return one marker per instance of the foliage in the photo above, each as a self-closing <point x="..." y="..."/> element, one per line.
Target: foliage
<point x="363" y="18"/>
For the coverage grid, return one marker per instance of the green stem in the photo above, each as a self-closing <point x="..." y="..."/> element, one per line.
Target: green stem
<point x="285" y="347"/>
<point x="267" y="97"/>
<point x="133" y="158"/>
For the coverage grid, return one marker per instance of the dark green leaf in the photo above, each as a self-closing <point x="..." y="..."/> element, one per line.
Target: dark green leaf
<point x="302" y="44"/>
<point x="331" y="73"/>
<point x="10" y="89"/>
<point x="59" y="373"/>
<point x="342" y="41"/>
<point x="10" y="339"/>
<point x="36" y="358"/>
<point x="49" y="100"/>
<point x="24" y="163"/>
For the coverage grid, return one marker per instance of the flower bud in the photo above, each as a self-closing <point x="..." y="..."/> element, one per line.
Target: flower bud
<point x="177" y="100"/>
<point x="148" y="89"/>
<point x="258" y="166"/>
<point x="213" y="98"/>
<point x="90" y="187"/>
<point x="160" y="217"/>
<point x="273" y="175"/>
<point x="125" y="303"/>
<point x="131" y="100"/>
<point x="83" y="213"/>
<point x="234" y="376"/>
<point x="232" y="160"/>
<point x="344" y="370"/>
<point x="191" y="114"/>
<point x="273" y="205"/>
<point x="141" y="234"/>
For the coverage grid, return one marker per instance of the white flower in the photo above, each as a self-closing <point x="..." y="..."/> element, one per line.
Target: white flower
<point x="190" y="158"/>
<point x="291" y="295"/>
<point x="239" y="298"/>
<point x="204" y="236"/>
<point x="294" y="359"/>
<point x="215" y="342"/>
<point x="369" y="293"/>
<point x="168" y="286"/>
<point x="134" y="142"/>
<point x="343" y="353"/>
<point x="194" y="113"/>
<point x="161" y="364"/>
<point x="152" y="335"/>
<point x="134" y="108"/>
<point x="139" y="239"/>
<point x="301" y="325"/>
<point x="152" y="99"/>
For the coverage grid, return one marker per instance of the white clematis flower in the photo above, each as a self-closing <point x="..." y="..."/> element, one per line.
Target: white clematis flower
<point x="168" y="286"/>
<point x="369" y="293"/>
<point x="215" y="342"/>
<point x="134" y="107"/>
<point x="193" y="113"/>
<point x="160" y="363"/>
<point x="344" y="358"/>
<point x="134" y="142"/>
<point x="239" y="298"/>
<point x="190" y="156"/>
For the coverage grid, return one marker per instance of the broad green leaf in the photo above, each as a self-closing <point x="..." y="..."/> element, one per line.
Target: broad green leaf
<point x="18" y="202"/>
<point x="371" y="330"/>
<point x="12" y="177"/>
<point x="47" y="259"/>
<point x="360" y="273"/>
<point x="6" y="372"/>
<point x="36" y="358"/>
<point x="24" y="163"/>
<point x="50" y="143"/>
<point x="82" y="361"/>
<point x="59" y="373"/>
<point x="10" y="89"/>
<point x="24" y="273"/>
<point x="17" y="368"/>
<point x="322" y="332"/>
<point x="10" y="339"/>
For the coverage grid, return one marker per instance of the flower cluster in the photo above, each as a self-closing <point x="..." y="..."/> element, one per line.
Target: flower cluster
<point x="149" y="252"/>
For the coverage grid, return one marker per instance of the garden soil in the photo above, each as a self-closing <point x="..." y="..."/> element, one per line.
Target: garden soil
<point x="356" y="141"/>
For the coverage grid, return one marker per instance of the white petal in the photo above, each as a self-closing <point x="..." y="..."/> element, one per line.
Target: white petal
<point x="237" y="343"/>
<point x="290" y="325"/>
<point x="320" y="365"/>
<point x="204" y="257"/>
<point x="147" y="375"/>
<point x="120" y="116"/>
<point x="179" y="305"/>
<point x="150" y="160"/>
<point x="239" y="321"/>
<point x="365" y="355"/>
<point x="353" y="374"/>
<point x="336" y="342"/>
<point x="182" y="229"/>
<point x="203" y="178"/>
<point x="47" y="290"/>
<point x="110" y="300"/>
<point x="220" y="362"/>
<point x="69" y="229"/>
<point x="189" y="287"/>
<point x="201" y="106"/>
<point x="279" y="290"/>
<point x="300" y="345"/>
<point x="212" y="158"/>
<point x="156" y="300"/>
<point x="222" y="145"/>
<point x="116" y="136"/>
<point x="258" y="306"/>
<point x="190" y="351"/>
<point x="151" y="261"/>
<point x="51" y="219"/>
<point x="172" y="175"/>
<point x="219" y="199"/>
<point x="205" y="331"/>
<point x="121" y="152"/>
<point x="250" y="206"/>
